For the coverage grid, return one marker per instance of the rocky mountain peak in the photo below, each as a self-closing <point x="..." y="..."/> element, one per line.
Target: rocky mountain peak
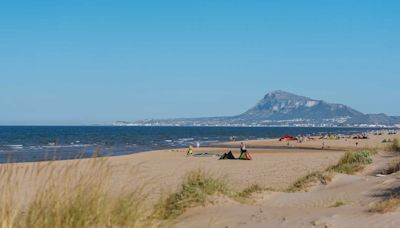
<point x="284" y="105"/>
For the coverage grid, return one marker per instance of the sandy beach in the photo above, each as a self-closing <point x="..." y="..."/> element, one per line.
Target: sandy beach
<point x="164" y="171"/>
<point x="314" y="208"/>
<point x="315" y="142"/>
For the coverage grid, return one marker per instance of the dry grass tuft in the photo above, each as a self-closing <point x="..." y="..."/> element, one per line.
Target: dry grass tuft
<point x="385" y="206"/>
<point x="350" y="163"/>
<point x="303" y="183"/>
<point x="394" y="146"/>
<point x="246" y="195"/>
<point x="393" y="167"/>
<point x="338" y="203"/>
<point x="249" y="191"/>
<point x="195" y="189"/>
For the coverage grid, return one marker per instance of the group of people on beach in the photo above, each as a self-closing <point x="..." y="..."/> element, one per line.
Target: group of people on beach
<point x="244" y="154"/>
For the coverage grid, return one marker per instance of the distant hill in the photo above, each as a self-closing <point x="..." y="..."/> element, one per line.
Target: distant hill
<point x="280" y="105"/>
<point x="280" y="108"/>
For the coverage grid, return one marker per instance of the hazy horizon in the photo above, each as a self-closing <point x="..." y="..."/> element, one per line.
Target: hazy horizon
<point x="95" y="62"/>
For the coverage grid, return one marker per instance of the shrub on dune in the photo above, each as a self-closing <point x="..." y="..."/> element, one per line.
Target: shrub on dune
<point x="388" y="205"/>
<point x="303" y="183"/>
<point x="350" y="163"/>
<point x="353" y="162"/>
<point x="394" y="146"/>
<point x="195" y="189"/>
<point x="393" y="167"/>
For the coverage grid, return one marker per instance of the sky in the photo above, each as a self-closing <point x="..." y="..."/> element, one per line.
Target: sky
<point x="94" y="62"/>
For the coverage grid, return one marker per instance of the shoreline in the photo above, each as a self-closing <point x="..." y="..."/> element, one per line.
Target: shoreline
<point x="266" y="145"/>
<point x="158" y="172"/>
<point x="164" y="170"/>
<point x="139" y="140"/>
<point x="157" y="163"/>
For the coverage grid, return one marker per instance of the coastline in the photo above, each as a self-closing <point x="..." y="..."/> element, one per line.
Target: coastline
<point x="164" y="170"/>
<point x="346" y="142"/>
<point x="160" y="171"/>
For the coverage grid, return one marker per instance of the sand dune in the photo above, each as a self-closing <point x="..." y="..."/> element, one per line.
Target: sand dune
<point x="308" y="209"/>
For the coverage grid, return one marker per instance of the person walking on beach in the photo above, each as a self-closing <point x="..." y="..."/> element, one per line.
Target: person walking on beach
<point x="190" y="151"/>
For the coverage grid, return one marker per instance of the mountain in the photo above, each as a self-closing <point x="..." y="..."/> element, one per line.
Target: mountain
<point x="280" y="105"/>
<point x="280" y="108"/>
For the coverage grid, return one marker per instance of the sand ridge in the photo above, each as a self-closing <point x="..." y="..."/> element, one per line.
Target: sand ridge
<point x="309" y="209"/>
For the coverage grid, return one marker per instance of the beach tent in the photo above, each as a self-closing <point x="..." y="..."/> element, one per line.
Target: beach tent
<point x="245" y="156"/>
<point x="287" y="137"/>
<point x="228" y="155"/>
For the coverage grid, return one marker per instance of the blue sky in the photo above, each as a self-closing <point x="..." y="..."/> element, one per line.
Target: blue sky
<point x="94" y="62"/>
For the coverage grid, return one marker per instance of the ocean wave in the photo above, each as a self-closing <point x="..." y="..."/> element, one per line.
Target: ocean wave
<point x="17" y="146"/>
<point x="185" y="139"/>
<point x="69" y="146"/>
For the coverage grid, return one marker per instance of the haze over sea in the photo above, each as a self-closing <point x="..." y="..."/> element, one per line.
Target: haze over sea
<point x="36" y="143"/>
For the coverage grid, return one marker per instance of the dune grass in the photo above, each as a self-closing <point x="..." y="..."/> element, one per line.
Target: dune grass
<point x="303" y="183"/>
<point x="70" y="195"/>
<point x="392" y="203"/>
<point x="388" y="205"/>
<point x="353" y="162"/>
<point x="393" y="167"/>
<point x="197" y="190"/>
<point x="337" y="203"/>
<point x="79" y="194"/>
<point x="350" y="163"/>
<point x="394" y="146"/>
<point x="249" y="191"/>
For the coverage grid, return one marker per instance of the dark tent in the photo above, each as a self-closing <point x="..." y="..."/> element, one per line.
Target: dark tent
<point x="228" y="155"/>
<point x="245" y="156"/>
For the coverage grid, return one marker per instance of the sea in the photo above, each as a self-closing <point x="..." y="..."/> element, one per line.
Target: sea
<point x="39" y="143"/>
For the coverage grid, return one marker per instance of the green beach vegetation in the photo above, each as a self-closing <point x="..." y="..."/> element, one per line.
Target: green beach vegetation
<point x="394" y="146"/>
<point x="70" y="195"/>
<point x="197" y="190"/>
<point x="350" y="163"/>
